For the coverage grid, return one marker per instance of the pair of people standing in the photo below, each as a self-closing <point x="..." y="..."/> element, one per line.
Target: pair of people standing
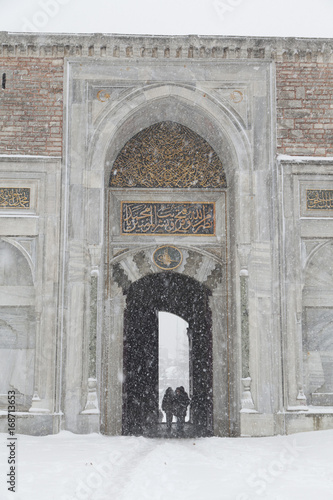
<point x="175" y="403"/>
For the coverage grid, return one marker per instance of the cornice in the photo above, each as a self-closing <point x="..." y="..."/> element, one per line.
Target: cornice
<point x="165" y="47"/>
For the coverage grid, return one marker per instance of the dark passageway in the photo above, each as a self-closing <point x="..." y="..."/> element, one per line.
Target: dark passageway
<point x="187" y="298"/>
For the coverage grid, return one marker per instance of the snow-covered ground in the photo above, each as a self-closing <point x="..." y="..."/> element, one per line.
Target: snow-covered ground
<point x="95" y="467"/>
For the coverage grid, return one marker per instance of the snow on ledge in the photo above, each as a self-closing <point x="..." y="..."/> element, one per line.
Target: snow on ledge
<point x="305" y="159"/>
<point x="35" y="157"/>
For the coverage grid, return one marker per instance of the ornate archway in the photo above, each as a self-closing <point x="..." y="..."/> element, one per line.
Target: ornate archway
<point x="167" y="250"/>
<point x="112" y="221"/>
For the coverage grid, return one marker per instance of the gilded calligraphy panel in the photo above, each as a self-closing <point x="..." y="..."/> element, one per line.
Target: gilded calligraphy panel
<point x="177" y="218"/>
<point x="319" y="199"/>
<point x="11" y="197"/>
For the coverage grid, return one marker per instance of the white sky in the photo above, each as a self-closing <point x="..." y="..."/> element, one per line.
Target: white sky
<point x="172" y="330"/>
<point x="295" y="18"/>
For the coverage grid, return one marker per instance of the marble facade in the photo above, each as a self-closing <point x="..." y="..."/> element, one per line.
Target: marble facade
<point x="66" y="262"/>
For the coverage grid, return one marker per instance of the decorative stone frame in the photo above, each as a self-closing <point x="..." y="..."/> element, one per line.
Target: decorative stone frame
<point x="303" y="233"/>
<point x="35" y="233"/>
<point x="197" y="94"/>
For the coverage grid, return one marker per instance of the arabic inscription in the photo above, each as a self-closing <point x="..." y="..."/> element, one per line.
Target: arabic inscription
<point x="168" y="218"/>
<point x="319" y="199"/>
<point x="14" y="197"/>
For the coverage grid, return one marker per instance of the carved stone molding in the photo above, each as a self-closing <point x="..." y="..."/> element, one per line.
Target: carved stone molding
<point x="142" y="262"/>
<point x="193" y="263"/>
<point x="196" y="265"/>
<point x="120" y="277"/>
<point x="214" y="278"/>
<point x="164" y="47"/>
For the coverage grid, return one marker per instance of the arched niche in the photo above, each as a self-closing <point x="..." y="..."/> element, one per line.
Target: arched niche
<point x="14" y="268"/>
<point x="17" y="326"/>
<point x="317" y="325"/>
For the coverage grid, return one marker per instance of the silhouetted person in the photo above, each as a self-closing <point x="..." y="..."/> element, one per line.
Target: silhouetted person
<point x="180" y="404"/>
<point x="167" y="407"/>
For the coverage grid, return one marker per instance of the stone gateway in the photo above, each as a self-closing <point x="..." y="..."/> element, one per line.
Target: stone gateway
<point x="189" y="175"/>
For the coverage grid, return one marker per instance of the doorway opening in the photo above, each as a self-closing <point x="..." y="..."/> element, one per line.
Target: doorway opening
<point x="184" y="297"/>
<point x="173" y="356"/>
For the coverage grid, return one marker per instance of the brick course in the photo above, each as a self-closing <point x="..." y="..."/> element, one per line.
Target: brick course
<point x="304" y="108"/>
<point x="31" y="106"/>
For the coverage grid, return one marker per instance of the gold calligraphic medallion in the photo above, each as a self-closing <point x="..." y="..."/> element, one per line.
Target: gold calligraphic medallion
<point x="236" y="96"/>
<point x="167" y="257"/>
<point x="102" y="95"/>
